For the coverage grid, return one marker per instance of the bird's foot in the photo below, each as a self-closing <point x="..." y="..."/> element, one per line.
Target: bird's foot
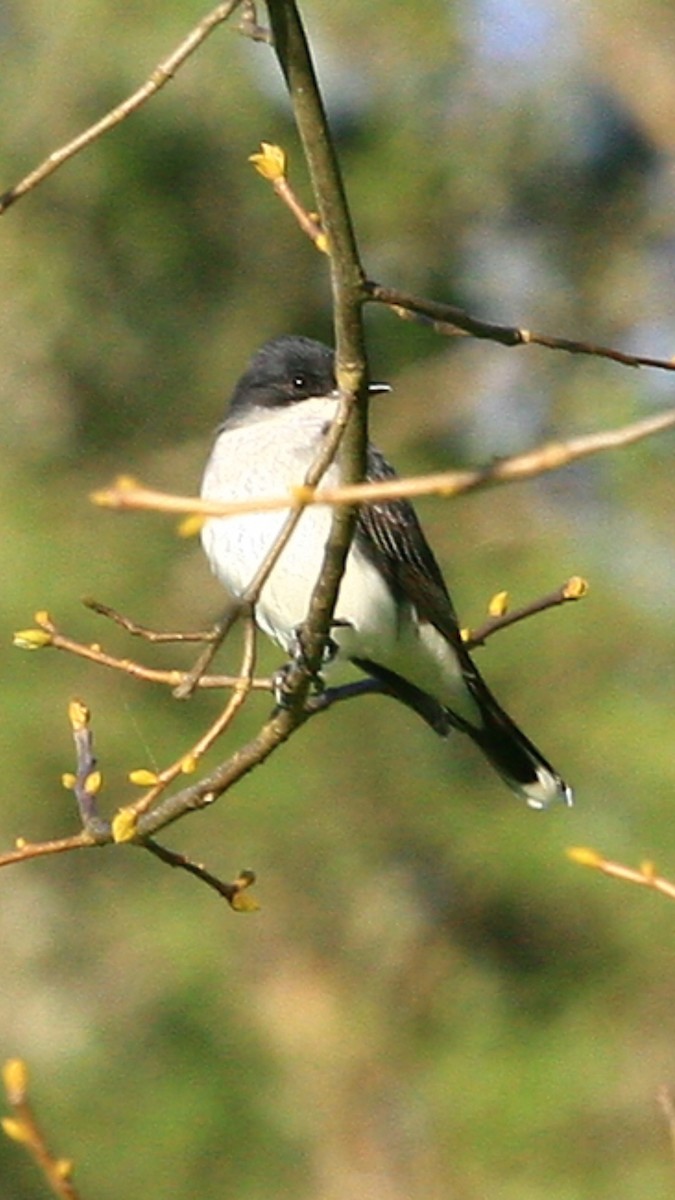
<point x="282" y="677"/>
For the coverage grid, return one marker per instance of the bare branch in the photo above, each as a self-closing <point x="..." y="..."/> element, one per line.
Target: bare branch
<point x="92" y="651"/>
<point x="25" y="850"/>
<point x="142" y="631"/>
<point x="163" y="72"/>
<point x="235" y="893"/>
<point x="573" y="589"/>
<point x="644" y="876"/>
<point x="450" y="321"/>
<point x="550" y="456"/>
<point x="23" y="1127"/>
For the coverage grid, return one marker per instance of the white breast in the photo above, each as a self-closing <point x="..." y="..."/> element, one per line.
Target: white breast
<point x="266" y="457"/>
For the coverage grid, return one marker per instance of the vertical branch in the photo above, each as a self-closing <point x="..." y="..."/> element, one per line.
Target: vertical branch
<point x="348" y="288"/>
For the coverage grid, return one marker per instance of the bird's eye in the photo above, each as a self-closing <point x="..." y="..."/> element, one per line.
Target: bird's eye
<point x="299" y="382"/>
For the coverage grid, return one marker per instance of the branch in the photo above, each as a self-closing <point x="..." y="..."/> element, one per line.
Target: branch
<point x="448" y="320"/>
<point x="142" y="631"/>
<point x="22" y="1127"/>
<point x="550" y="456"/>
<point x="644" y="876"/>
<point x="163" y="72"/>
<point x="574" y="589"/>
<point x="46" y="635"/>
<point x="444" y="319"/>
<point x="235" y="893"/>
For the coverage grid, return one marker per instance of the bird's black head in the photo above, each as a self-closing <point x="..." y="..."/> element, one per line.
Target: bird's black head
<point x="284" y="371"/>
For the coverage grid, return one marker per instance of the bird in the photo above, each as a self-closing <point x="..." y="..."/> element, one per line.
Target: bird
<point x="394" y="620"/>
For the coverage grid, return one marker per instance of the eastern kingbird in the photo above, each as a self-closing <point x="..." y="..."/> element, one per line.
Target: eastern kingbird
<point x="394" y="619"/>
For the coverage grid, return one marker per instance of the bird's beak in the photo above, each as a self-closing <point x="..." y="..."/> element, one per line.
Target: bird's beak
<point x="377" y="389"/>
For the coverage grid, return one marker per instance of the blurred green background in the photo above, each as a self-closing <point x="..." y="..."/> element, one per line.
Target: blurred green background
<point x="433" y="1000"/>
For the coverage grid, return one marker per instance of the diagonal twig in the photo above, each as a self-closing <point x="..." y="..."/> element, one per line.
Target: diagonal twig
<point x="23" y="1127"/>
<point x="551" y="456"/>
<point x="163" y="72"/>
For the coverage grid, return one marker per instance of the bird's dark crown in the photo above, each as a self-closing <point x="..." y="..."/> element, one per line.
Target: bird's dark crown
<point x="285" y="371"/>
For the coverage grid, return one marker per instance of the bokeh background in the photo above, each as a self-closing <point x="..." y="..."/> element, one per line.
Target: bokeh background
<point x="433" y="1000"/>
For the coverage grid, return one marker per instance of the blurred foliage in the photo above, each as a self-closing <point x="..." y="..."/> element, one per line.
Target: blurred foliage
<point x="433" y="1000"/>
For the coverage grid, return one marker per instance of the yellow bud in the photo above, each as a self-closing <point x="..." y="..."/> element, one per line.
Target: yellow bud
<point x="20" y="843"/>
<point x="648" y="870"/>
<point x="189" y="764"/>
<point x="270" y="162"/>
<point x="465" y="634"/>
<point x="143" y="778"/>
<point x="575" y="588"/>
<point x="15" y="1079"/>
<point x="78" y="715"/>
<point x="244" y="902"/>
<point x="499" y="604"/>
<point x="42" y="617"/>
<point x="191" y="526"/>
<point x="63" y="1168"/>
<point x="108" y="497"/>
<point x="32" y="639"/>
<point x="321" y="243"/>
<point x="18" y="1131"/>
<point x="92" y="784"/>
<point x="124" y="825"/>
<point x="584" y="856"/>
<point x="68" y="780"/>
<point x="302" y="494"/>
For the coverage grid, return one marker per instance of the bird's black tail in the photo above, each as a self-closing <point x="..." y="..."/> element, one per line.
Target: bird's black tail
<point x="512" y="755"/>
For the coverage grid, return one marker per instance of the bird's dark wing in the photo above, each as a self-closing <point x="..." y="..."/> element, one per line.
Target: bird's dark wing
<point x="389" y="534"/>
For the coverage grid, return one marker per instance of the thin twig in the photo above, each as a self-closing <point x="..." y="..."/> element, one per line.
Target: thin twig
<point x="644" y="876"/>
<point x="163" y="72"/>
<point x="92" y="652"/>
<point x="22" y="1127"/>
<point x="550" y="456"/>
<point x="446" y="319"/>
<point x="232" y="892"/>
<point x="573" y="589"/>
<point x="25" y="850"/>
<point x="149" y="635"/>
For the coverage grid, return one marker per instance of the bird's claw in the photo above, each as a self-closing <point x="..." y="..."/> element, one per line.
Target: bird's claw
<point x="281" y="677"/>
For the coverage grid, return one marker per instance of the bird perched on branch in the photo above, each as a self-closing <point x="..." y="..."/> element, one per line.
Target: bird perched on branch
<point x="394" y="619"/>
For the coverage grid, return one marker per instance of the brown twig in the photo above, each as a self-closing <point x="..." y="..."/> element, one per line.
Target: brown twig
<point x="573" y="589"/>
<point x="550" y="456"/>
<point x="444" y="319"/>
<point x="449" y="320"/>
<point x="46" y="635"/>
<point x="143" y="631"/>
<point x="236" y="893"/>
<point x="163" y="72"/>
<point x="22" y="1127"/>
<point x="26" y="850"/>
<point x="644" y="876"/>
